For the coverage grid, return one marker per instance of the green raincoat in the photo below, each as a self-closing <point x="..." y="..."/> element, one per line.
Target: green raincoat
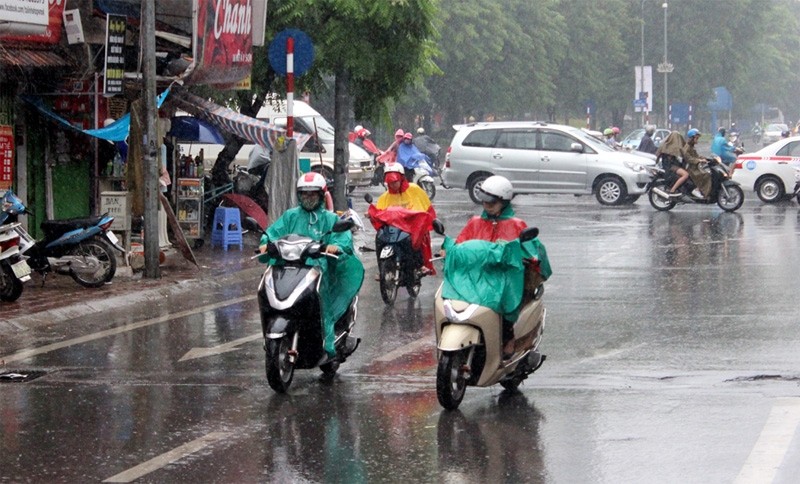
<point x="490" y="274"/>
<point x="341" y="278"/>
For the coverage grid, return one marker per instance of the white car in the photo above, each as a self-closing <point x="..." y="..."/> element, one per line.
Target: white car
<point x="771" y="172"/>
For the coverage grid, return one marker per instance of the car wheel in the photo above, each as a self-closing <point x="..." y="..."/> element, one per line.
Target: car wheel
<point x="611" y="191"/>
<point x="474" y="185"/>
<point x="770" y="189"/>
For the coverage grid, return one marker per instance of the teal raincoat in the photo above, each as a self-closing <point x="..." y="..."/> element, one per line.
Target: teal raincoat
<point x="341" y="278"/>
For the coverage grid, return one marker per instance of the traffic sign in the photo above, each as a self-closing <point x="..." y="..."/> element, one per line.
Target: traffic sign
<point x="303" y="51"/>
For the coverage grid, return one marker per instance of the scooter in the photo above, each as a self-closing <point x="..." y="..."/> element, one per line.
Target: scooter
<point x="422" y="174"/>
<point x="470" y="345"/>
<point x="398" y="263"/>
<point x="289" y="305"/>
<point x="14" y="270"/>
<point x="81" y="247"/>
<point x="724" y="192"/>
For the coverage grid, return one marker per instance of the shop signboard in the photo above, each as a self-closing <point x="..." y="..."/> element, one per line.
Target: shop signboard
<point x="116" y="205"/>
<point x="6" y="157"/>
<point x="49" y="25"/>
<point x="115" y="58"/>
<point x="223" y="43"/>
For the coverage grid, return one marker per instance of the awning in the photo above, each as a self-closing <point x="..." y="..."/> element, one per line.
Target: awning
<point x="116" y="131"/>
<point x="31" y="58"/>
<point x="251" y="129"/>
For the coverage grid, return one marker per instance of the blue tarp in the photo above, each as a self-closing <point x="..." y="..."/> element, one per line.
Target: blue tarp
<point x="116" y="131"/>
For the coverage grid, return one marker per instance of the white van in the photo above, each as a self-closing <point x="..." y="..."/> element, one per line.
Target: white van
<point x="306" y="119"/>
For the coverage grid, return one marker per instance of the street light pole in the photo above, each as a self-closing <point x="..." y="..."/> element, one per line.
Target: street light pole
<point x="666" y="63"/>
<point x="641" y="68"/>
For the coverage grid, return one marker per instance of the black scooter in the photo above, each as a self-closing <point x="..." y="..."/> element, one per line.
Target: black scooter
<point x="724" y="192"/>
<point x="289" y="304"/>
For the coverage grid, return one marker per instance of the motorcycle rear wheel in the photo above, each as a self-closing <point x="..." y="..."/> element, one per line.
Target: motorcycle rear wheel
<point x="733" y="200"/>
<point x="388" y="280"/>
<point x="280" y="371"/>
<point x="450" y="381"/>
<point x="430" y="189"/>
<point x="659" y="203"/>
<point x="102" y="250"/>
<point x="10" y="286"/>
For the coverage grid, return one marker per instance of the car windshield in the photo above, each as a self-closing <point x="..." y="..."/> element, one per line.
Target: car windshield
<point x="777" y="127"/>
<point x="589" y="140"/>
<point x="635" y="135"/>
<point x="306" y="124"/>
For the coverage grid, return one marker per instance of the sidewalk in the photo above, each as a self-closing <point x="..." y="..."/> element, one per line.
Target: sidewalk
<point x="62" y="298"/>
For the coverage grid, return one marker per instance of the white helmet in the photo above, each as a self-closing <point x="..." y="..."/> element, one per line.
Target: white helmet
<point x="357" y="128"/>
<point x="393" y="168"/>
<point x="495" y="188"/>
<point x="311" y="182"/>
<point x="420" y="130"/>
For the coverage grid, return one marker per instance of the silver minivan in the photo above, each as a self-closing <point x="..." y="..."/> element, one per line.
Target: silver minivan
<point x="541" y="157"/>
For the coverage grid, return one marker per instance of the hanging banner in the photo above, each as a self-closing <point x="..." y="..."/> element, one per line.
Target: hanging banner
<point x="223" y="43"/>
<point x="115" y="58"/>
<point x="6" y="157"/>
<point x="52" y="34"/>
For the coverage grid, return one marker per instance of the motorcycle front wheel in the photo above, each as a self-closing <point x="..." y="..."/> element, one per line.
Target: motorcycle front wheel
<point x="659" y="203"/>
<point x="451" y="383"/>
<point x="429" y="187"/>
<point x="10" y="286"/>
<point x="98" y="253"/>
<point x="731" y="201"/>
<point x="388" y="279"/>
<point x="280" y="371"/>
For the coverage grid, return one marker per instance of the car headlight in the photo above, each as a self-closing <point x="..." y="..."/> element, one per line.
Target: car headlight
<point x="637" y="167"/>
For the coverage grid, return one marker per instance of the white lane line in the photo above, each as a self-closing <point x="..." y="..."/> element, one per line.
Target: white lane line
<point x="409" y="348"/>
<point x="167" y="458"/>
<point x="766" y="457"/>
<point x="28" y="353"/>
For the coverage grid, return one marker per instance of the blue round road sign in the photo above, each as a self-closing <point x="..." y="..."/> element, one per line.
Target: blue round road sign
<point x="303" y="52"/>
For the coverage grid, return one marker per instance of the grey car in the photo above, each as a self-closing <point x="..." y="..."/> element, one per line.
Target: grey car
<point x="542" y="157"/>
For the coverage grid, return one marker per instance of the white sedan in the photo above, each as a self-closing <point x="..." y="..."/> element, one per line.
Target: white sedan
<point x="773" y="172"/>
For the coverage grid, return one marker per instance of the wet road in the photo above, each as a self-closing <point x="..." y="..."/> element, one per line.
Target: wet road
<point x="671" y="342"/>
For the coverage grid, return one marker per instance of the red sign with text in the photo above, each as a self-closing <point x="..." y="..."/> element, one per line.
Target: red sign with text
<point x="223" y="41"/>
<point x="6" y="157"/>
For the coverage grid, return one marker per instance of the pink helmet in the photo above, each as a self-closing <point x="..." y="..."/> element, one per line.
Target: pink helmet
<point x="408" y="136"/>
<point x="399" y="133"/>
<point x="615" y="130"/>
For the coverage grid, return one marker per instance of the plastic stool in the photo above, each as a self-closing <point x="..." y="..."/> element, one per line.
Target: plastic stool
<point x="227" y="228"/>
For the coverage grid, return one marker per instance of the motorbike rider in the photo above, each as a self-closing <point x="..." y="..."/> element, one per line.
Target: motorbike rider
<point x="401" y="193"/>
<point x="669" y="153"/>
<point x="646" y="144"/>
<point x="724" y="149"/>
<point x="610" y="140"/>
<point x="389" y="155"/>
<point x="693" y="160"/>
<point x="341" y="278"/>
<point x="498" y="223"/>
<point x="367" y="144"/>
<point x="409" y="156"/>
<point x="426" y="144"/>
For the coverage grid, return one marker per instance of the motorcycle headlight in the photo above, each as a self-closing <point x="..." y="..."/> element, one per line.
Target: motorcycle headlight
<point x="291" y="250"/>
<point x="637" y="167"/>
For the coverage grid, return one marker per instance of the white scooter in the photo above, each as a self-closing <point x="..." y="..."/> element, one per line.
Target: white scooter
<point x="470" y="344"/>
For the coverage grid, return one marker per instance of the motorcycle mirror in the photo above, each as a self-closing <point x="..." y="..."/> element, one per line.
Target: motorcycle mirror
<point x="343" y="225"/>
<point x="438" y="226"/>
<point x="368" y="198"/>
<point x="529" y="233"/>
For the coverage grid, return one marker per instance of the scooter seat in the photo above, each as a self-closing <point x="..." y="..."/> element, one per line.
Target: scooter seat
<point x="55" y="228"/>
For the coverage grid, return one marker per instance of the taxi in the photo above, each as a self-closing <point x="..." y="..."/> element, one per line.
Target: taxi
<point x="773" y="172"/>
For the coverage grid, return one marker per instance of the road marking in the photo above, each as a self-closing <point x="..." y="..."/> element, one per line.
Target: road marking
<point x="28" y="353"/>
<point x="766" y="457"/>
<point x="167" y="458"/>
<point x="223" y="348"/>
<point x="419" y="344"/>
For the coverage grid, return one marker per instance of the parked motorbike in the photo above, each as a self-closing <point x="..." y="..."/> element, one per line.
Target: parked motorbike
<point x="470" y="346"/>
<point x="724" y="192"/>
<point x="289" y="304"/>
<point x="14" y="270"/>
<point x="399" y="265"/>
<point x="80" y="247"/>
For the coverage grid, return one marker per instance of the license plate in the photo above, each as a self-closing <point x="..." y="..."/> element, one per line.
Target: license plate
<point x="113" y="238"/>
<point x="21" y="269"/>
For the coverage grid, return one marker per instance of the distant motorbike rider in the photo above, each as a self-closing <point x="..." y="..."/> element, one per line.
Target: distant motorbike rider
<point x="693" y="161"/>
<point x="497" y="223"/>
<point x="409" y="156"/>
<point x="427" y="145"/>
<point x="401" y="193"/>
<point x="647" y="144"/>
<point x="390" y="154"/>
<point x="342" y="277"/>
<point x="669" y="154"/>
<point x="364" y="142"/>
<point x="610" y="140"/>
<point x="723" y="148"/>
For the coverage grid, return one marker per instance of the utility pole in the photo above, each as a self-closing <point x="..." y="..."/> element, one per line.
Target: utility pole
<point x="149" y="147"/>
